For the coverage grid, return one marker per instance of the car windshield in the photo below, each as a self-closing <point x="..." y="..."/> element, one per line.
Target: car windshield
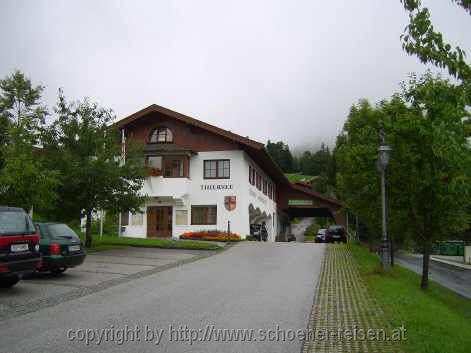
<point x="321" y="231"/>
<point x="15" y="223"/>
<point x="61" y="230"/>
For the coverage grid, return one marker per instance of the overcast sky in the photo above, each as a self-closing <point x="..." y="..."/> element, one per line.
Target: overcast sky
<point x="279" y="70"/>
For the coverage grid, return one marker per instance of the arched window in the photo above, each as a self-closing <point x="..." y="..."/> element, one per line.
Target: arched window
<point x="161" y="135"/>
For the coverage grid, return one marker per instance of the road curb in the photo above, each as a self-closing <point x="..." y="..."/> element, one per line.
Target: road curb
<point x="452" y="264"/>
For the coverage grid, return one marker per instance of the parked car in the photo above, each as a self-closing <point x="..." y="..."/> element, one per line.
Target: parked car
<point x="320" y="236"/>
<point x="19" y="246"/>
<point x="60" y="247"/>
<point x="336" y="233"/>
<point x="259" y="231"/>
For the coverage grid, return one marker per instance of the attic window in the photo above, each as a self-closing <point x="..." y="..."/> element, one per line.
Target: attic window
<point x="161" y="135"/>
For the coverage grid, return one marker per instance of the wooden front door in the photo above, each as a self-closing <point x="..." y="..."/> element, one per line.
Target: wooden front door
<point x="159" y="221"/>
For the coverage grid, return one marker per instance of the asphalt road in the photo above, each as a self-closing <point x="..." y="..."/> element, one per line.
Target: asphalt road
<point x="299" y="228"/>
<point x="99" y="271"/>
<point x="455" y="278"/>
<point x="264" y="287"/>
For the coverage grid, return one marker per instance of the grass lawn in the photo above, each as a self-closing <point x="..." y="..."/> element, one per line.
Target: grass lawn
<point x="107" y="242"/>
<point x="295" y="177"/>
<point x="437" y="320"/>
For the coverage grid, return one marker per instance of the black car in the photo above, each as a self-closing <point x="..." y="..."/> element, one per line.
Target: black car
<point x="60" y="247"/>
<point x="335" y="233"/>
<point x="19" y="245"/>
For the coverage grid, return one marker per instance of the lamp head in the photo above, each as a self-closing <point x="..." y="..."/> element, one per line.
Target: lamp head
<point x="383" y="156"/>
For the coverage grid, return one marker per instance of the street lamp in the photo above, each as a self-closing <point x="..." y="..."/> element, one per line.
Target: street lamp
<point x="383" y="159"/>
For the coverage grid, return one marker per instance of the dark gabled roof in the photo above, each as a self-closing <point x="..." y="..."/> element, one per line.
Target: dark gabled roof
<point x="191" y="121"/>
<point x="254" y="148"/>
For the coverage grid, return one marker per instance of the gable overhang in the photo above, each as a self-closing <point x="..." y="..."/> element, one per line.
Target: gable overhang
<point x="294" y="196"/>
<point x="256" y="150"/>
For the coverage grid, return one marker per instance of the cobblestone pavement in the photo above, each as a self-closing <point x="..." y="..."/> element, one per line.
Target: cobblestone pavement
<point x="344" y="312"/>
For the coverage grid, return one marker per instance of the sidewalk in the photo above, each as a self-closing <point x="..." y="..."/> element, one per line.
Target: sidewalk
<point x="456" y="261"/>
<point x="342" y="305"/>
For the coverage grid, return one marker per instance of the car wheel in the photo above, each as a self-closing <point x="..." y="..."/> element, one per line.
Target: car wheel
<point x="58" y="271"/>
<point x="8" y="282"/>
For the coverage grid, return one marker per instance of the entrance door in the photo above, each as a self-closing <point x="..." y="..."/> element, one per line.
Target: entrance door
<point x="159" y="221"/>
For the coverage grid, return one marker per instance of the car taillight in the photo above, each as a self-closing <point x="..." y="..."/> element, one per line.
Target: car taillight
<point x="55" y="249"/>
<point x="4" y="268"/>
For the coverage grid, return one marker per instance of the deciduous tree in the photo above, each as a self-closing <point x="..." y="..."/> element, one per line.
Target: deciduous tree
<point x="429" y="176"/>
<point x="24" y="182"/>
<point x="85" y="146"/>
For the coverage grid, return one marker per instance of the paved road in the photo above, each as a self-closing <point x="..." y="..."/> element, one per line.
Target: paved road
<point x="259" y="286"/>
<point x="100" y="270"/>
<point x="455" y="278"/>
<point x="299" y="228"/>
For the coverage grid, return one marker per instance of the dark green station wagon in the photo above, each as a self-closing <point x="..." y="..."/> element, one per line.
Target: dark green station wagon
<point x="60" y="247"/>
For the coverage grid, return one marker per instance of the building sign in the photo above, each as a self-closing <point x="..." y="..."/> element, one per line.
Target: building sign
<point x="300" y="202"/>
<point x="230" y="203"/>
<point x="217" y="187"/>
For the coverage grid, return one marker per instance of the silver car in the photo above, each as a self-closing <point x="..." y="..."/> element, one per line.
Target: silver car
<point x="320" y="236"/>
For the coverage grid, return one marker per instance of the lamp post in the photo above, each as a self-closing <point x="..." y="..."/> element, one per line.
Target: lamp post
<point x="383" y="159"/>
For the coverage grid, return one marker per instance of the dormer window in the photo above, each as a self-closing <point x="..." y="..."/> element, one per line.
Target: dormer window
<point x="161" y="135"/>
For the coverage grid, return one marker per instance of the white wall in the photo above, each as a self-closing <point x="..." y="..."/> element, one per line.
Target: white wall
<point x="181" y="193"/>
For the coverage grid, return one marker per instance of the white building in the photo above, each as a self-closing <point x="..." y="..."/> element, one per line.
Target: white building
<point x="204" y="178"/>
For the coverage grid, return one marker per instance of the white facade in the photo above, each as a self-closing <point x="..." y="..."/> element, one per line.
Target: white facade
<point x="252" y="204"/>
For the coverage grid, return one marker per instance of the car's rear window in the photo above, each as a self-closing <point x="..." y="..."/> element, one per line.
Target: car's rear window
<point x="15" y="223"/>
<point x="61" y="230"/>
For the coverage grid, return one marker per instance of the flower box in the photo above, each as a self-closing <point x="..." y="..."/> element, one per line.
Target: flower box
<point x="210" y="235"/>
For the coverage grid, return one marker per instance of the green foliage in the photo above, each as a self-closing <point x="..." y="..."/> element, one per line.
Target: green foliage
<point x="110" y="224"/>
<point x="282" y="156"/>
<point x="154" y="243"/>
<point x="355" y="155"/>
<point x="324" y="222"/>
<point x="421" y="39"/>
<point x="24" y="182"/>
<point x="312" y="230"/>
<point x="297" y="177"/>
<point x="316" y="163"/>
<point x="20" y="107"/>
<point x="86" y="148"/>
<point x="429" y="176"/>
<point x="405" y="304"/>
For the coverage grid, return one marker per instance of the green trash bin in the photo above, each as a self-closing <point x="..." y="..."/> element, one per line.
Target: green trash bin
<point x="453" y="249"/>
<point x="461" y="250"/>
<point x="443" y="248"/>
<point x="436" y="249"/>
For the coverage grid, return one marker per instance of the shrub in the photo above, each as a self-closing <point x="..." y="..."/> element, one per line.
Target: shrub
<point x="312" y="230"/>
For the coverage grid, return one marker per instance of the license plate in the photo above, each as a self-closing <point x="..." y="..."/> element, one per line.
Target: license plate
<point x="73" y="248"/>
<point x="19" y="247"/>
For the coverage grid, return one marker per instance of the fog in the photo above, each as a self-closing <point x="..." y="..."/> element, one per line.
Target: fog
<point x="274" y="70"/>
